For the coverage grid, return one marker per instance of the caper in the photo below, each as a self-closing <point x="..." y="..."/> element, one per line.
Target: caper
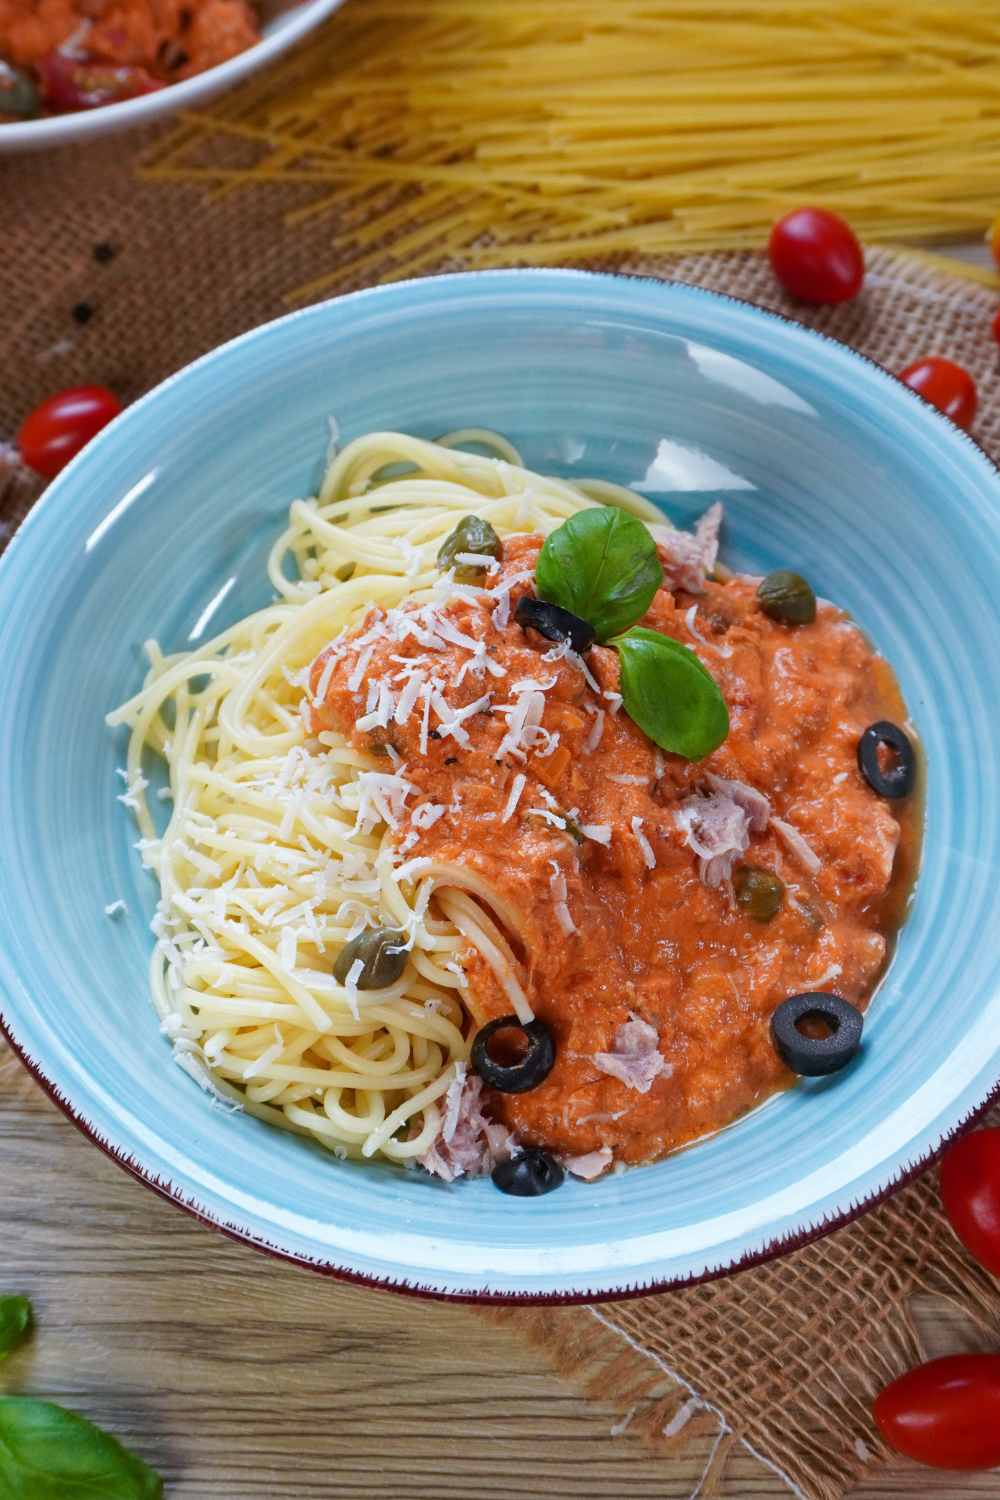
<point x="383" y="956"/>
<point x="573" y="828"/>
<point x="18" y="94"/>
<point x="472" y="534"/>
<point x="758" y="892"/>
<point x="787" y="597"/>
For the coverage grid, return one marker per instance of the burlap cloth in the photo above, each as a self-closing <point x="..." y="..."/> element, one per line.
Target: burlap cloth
<point x="784" y="1358"/>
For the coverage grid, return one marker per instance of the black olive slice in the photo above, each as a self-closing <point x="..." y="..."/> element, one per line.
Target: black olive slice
<point x="554" y="623"/>
<point x="536" y="1054"/>
<point x="529" y="1175"/>
<point x="809" y="1056"/>
<point x="897" y="779"/>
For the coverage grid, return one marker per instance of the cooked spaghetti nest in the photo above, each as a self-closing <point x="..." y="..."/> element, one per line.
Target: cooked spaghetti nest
<point x="275" y="855"/>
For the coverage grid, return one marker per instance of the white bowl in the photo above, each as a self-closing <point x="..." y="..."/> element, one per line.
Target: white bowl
<point x="278" y="34"/>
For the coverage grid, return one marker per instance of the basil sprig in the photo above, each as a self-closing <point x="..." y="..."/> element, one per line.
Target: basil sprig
<point x="602" y="565"/>
<point x="15" y="1320"/>
<point x="49" y="1453"/>
<point x="670" y="694"/>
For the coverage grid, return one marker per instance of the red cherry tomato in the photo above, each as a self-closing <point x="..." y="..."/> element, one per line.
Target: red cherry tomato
<point x="71" y="83"/>
<point x="995" y="325"/>
<point x="945" y="1413"/>
<point x="970" y="1192"/>
<point x="816" y="256"/>
<point x="945" y="385"/>
<point x="56" y="431"/>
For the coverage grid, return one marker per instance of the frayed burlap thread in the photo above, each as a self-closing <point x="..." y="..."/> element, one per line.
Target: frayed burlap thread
<point x="783" y="1359"/>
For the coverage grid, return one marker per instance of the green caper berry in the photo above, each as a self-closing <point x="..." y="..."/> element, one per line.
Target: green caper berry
<point x="787" y="597"/>
<point x="382" y="954"/>
<point x="472" y="534"/>
<point x="758" y="892"/>
<point x="18" y="94"/>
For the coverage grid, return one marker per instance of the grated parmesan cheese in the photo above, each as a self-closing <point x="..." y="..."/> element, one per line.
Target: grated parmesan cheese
<point x="595" y="732"/>
<point x="517" y="787"/>
<point x="325" y="676"/>
<point x="478" y="560"/>
<point x="548" y="815"/>
<point x="557" y="886"/>
<point x="351" y="986"/>
<point x="644" y="844"/>
<point x="267" y="1057"/>
<point x="427" y="814"/>
<point x="599" y="832"/>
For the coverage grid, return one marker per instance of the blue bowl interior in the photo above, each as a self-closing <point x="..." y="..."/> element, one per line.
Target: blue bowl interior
<point x="162" y="527"/>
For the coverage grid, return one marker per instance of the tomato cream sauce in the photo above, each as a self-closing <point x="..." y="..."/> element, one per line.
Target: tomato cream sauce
<point x="649" y="938"/>
<point x="171" y="39"/>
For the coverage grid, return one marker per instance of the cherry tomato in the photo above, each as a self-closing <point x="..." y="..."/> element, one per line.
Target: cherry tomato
<point x="970" y="1192"/>
<point x="945" y="385"/>
<point x="945" y="1413"/>
<point x="70" y="83"/>
<point x="816" y="256"/>
<point x="995" y="325"/>
<point x="56" y="431"/>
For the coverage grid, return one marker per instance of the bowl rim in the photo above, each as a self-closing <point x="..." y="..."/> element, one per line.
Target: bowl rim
<point x="767" y="1251"/>
<point x="79" y="127"/>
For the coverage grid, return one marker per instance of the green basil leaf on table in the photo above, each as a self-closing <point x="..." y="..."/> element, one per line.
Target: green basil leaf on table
<point x="15" y="1320"/>
<point x="49" y="1453"/>
<point x="670" y="694"/>
<point x="602" y="566"/>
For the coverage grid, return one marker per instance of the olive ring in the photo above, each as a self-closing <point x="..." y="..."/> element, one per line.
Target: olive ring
<point x="814" y="1057"/>
<point x="529" y="1174"/>
<point x="554" y="623"/>
<point x="898" y="780"/>
<point x="529" y="1071"/>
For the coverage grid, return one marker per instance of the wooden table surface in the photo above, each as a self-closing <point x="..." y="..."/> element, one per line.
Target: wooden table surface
<point x="241" y="1378"/>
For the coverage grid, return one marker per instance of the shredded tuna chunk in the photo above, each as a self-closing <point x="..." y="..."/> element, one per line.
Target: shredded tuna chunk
<point x="590" y="1165"/>
<point x="688" y="556"/>
<point x="470" y="1144"/>
<point x="754" y="803"/>
<point x="717" y="828"/>
<point x="636" y="1059"/>
<point x="796" y="845"/>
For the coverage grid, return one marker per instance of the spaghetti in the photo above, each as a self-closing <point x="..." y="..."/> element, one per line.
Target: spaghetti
<point x="282" y="845"/>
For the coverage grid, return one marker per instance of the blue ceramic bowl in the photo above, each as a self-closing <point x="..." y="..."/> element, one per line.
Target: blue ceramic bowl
<point x="162" y="526"/>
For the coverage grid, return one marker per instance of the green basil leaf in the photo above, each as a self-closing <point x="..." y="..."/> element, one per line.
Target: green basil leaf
<point x="670" y="694"/>
<point x="601" y="565"/>
<point x="15" y="1320"/>
<point x="49" y="1453"/>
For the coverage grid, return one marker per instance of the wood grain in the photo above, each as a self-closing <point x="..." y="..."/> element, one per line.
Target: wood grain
<point x="241" y="1378"/>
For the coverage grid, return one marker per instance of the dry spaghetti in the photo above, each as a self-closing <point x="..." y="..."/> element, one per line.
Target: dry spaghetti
<point x="469" y="132"/>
